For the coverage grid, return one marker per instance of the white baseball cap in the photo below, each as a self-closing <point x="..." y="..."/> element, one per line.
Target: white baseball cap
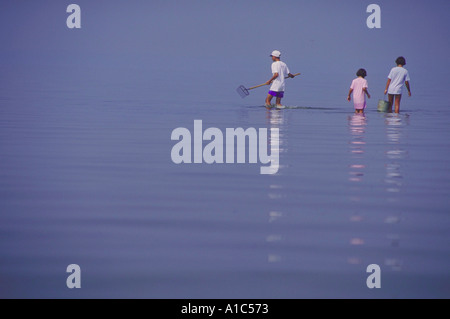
<point x="276" y="53"/>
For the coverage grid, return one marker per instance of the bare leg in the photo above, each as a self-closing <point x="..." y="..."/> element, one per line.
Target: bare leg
<point x="278" y="101"/>
<point x="391" y="102"/>
<point x="269" y="99"/>
<point x="397" y="103"/>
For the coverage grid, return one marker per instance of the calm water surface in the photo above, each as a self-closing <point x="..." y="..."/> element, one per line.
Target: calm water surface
<point x="87" y="178"/>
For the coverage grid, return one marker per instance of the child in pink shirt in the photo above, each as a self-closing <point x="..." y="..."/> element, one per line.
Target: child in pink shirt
<point x="359" y="89"/>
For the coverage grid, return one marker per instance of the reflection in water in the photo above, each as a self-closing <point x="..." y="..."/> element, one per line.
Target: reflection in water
<point x="276" y="119"/>
<point x="394" y="177"/>
<point x="357" y="124"/>
<point x="394" y="153"/>
<point x="278" y="141"/>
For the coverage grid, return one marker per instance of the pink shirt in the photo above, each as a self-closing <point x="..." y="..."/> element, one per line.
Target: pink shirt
<point x="358" y="85"/>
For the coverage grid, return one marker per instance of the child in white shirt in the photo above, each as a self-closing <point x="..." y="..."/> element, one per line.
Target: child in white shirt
<point x="394" y="86"/>
<point x="279" y="72"/>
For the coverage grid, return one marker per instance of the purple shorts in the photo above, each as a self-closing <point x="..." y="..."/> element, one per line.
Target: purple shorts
<point x="276" y="94"/>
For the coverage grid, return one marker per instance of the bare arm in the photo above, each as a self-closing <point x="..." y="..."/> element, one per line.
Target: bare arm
<point x="290" y="75"/>
<point x="367" y="92"/>
<point x="387" y="86"/>
<point x="349" y="93"/>
<point x="408" y="87"/>
<point x="272" y="78"/>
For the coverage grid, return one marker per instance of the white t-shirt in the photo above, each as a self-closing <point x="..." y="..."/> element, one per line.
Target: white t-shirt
<point x="282" y="70"/>
<point x="398" y="76"/>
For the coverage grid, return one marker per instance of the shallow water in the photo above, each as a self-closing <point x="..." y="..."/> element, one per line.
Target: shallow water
<point x="89" y="180"/>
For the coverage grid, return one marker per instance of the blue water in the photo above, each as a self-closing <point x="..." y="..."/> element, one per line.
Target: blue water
<point x="87" y="179"/>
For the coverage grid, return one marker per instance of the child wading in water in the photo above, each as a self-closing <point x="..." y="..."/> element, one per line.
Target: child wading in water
<point x="396" y="78"/>
<point x="359" y="89"/>
<point x="280" y="71"/>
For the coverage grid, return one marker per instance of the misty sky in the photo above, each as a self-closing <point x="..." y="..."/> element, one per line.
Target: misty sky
<point x="199" y="39"/>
